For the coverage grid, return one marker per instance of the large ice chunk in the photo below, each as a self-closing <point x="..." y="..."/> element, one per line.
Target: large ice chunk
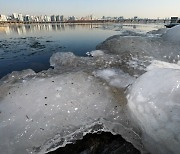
<point x="38" y="114"/>
<point x="63" y="58"/>
<point x="68" y="62"/>
<point x="173" y="35"/>
<point x="153" y="102"/>
<point x="163" y="47"/>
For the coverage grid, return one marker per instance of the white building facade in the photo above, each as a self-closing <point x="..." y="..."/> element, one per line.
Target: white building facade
<point x="3" y="17"/>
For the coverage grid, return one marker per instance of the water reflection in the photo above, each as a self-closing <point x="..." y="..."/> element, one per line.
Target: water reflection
<point x="31" y="28"/>
<point x="5" y="30"/>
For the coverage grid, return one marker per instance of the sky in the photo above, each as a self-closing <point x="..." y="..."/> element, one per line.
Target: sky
<point x="98" y="8"/>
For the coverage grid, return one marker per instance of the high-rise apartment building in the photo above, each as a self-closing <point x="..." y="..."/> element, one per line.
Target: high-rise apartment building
<point x="15" y="16"/>
<point x="27" y="18"/>
<point x="53" y="18"/>
<point x="3" y="17"/>
<point x="47" y="18"/>
<point x="62" y="18"/>
<point x="20" y="17"/>
<point x="58" y="18"/>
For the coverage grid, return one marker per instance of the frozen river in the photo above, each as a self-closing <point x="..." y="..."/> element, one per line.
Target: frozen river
<point x="128" y="85"/>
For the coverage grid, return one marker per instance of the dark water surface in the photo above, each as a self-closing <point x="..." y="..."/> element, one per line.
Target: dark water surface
<point x="31" y="46"/>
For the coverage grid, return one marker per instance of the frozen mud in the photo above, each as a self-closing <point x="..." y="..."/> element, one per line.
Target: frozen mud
<point x="121" y="88"/>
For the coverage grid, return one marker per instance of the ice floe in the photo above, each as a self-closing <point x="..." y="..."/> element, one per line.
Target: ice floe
<point x="39" y="114"/>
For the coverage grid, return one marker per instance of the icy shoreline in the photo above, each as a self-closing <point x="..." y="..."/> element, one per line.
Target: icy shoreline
<point x="40" y="112"/>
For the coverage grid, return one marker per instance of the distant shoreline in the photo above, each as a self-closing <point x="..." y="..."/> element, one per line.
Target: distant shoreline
<point x="140" y="21"/>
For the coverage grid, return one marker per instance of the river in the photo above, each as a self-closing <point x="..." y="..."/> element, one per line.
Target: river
<point x="31" y="46"/>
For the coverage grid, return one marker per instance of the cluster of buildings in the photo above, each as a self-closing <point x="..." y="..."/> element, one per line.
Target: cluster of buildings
<point x="18" y="17"/>
<point x="42" y="18"/>
<point x="29" y="18"/>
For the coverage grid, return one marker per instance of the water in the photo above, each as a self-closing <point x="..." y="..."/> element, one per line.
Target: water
<point x="30" y="46"/>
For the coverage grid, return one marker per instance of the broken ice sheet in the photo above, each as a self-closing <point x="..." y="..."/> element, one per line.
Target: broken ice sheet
<point x="34" y="110"/>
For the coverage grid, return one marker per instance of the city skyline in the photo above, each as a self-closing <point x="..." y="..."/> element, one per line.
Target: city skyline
<point x="20" y="18"/>
<point x="128" y="8"/>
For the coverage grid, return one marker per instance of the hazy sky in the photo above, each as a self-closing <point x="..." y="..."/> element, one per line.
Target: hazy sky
<point x="126" y="8"/>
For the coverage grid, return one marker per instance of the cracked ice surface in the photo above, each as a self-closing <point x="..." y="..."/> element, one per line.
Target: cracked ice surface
<point x="34" y="110"/>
